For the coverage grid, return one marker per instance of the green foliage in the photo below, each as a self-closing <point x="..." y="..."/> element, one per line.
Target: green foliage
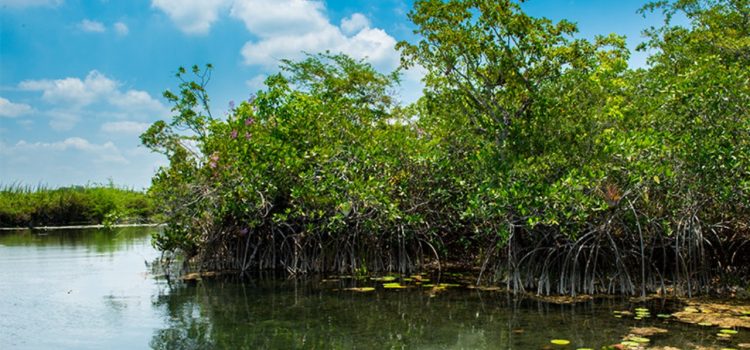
<point x="322" y="152"/>
<point x="25" y="206"/>
<point x="532" y="151"/>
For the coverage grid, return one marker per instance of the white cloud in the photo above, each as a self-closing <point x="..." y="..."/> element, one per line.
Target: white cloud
<point x="411" y="84"/>
<point x="95" y="95"/>
<point x="30" y="3"/>
<point x="76" y="160"/>
<point x="125" y="127"/>
<point x="72" y="91"/>
<point x="273" y="18"/>
<point x="135" y="100"/>
<point x="106" y="152"/>
<point x="12" y="110"/>
<point x="257" y="82"/>
<point x="191" y="16"/>
<point x="288" y="28"/>
<point x="62" y="120"/>
<point x="92" y="26"/>
<point x="121" y="28"/>
<point x="354" y="23"/>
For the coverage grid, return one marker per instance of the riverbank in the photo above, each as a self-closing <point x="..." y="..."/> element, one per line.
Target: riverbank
<point x="77" y="227"/>
<point x="73" y="206"/>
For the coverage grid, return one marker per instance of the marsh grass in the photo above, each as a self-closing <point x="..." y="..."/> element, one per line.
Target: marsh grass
<point x="40" y="205"/>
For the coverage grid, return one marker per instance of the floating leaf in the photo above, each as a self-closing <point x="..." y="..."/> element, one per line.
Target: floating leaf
<point x="361" y="289"/>
<point x="444" y="285"/>
<point x="640" y="340"/>
<point x="384" y="278"/>
<point x="728" y="331"/>
<point x="646" y="331"/>
<point x="560" y="341"/>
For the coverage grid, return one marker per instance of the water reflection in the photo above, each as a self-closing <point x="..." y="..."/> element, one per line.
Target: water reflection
<point x="96" y="240"/>
<point x="278" y="314"/>
<point x="77" y="289"/>
<point x="95" y="289"/>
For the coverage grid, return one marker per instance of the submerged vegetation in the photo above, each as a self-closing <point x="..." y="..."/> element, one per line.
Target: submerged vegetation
<point x="536" y="156"/>
<point x="81" y="205"/>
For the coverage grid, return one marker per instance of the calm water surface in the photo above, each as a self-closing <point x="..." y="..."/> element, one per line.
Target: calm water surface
<point x="94" y="289"/>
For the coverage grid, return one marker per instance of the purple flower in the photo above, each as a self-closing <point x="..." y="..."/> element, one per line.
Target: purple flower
<point x="234" y="134"/>
<point x="248" y="135"/>
<point x="231" y="104"/>
<point x="249" y="121"/>
<point x="214" y="160"/>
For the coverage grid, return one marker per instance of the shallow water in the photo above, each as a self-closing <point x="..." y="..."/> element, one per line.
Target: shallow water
<point x="94" y="290"/>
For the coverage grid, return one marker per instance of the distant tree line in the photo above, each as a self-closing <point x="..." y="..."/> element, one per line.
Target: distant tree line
<point x="24" y="206"/>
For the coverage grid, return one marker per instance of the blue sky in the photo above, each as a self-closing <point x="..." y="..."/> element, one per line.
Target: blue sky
<point x="79" y="80"/>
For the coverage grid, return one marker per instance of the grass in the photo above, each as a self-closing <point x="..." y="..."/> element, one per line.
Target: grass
<point x="26" y="206"/>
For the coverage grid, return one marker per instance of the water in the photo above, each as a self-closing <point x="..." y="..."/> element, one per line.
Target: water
<point x="94" y="290"/>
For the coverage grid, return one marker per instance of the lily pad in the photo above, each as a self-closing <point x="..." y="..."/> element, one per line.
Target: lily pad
<point x="384" y="279"/>
<point x="449" y="285"/>
<point x="361" y="289"/>
<point x="393" y="285"/>
<point x="728" y="331"/>
<point x="647" y="331"/>
<point x="560" y="341"/>
<point x="640" y="340"/>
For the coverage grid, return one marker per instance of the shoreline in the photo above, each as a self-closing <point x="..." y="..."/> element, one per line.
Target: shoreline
<point x="76" y="227"/>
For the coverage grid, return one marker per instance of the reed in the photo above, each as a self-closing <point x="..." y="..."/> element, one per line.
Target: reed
<point x="28" y="206"/>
